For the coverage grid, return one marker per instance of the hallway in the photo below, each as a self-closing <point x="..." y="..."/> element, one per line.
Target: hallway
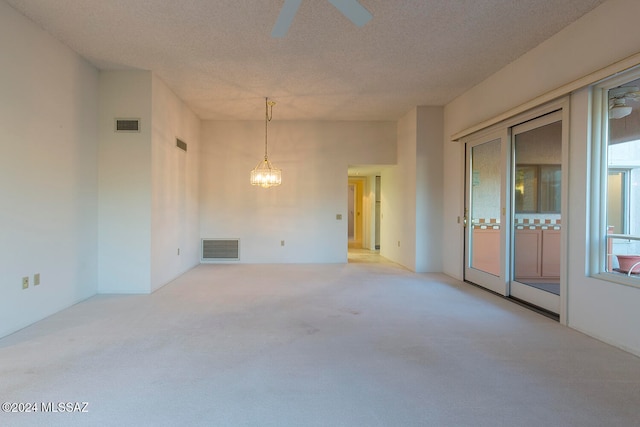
<point x="367" y="256"/>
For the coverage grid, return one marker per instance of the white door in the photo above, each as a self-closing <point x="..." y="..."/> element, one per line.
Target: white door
<point x="536" y="228"/>
<point x="485" y="211"/>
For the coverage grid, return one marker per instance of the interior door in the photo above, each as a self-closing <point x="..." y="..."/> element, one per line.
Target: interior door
<point x="536" y="229"/>
<point x="485" y="211"/>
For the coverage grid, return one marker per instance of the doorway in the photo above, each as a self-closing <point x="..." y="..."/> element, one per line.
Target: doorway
<point x="364" y="214"/>
<point x="355" y="212"/>
<point x="514" y="205"/>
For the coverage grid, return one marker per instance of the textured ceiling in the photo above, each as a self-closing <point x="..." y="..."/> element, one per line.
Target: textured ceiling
<point x="220" y="58"/>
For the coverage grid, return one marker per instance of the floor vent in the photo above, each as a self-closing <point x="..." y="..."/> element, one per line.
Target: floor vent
<point x="127" y="125"/>
<point x="217" y="250"/>
<point x="181" y="144"/>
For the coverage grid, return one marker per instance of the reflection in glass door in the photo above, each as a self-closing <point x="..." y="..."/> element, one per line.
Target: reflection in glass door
<point x="485" y="236"/>
<point x="537" y="214"/>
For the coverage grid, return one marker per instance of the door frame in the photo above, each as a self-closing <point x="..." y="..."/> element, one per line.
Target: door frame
<point x="505" y="126"/>
<point x="358" y="241"/>
<point x="519" y="290"/>
<point x="495" y="283"/>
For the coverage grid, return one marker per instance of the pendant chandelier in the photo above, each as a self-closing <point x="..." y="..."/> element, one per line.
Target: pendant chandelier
<point x="265" y="174"/>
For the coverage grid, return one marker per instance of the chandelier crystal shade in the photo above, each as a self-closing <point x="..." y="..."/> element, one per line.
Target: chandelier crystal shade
<point x="265" y="174"/>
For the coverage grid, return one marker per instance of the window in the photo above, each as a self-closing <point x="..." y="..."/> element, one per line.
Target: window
<point x="537" y="188"/>
<point x="617" y="201"/>
<point x="619" y="166"/>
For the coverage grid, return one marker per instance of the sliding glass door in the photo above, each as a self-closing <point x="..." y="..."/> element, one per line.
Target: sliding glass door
<point x="485" y="235"/>
<point x="514" y="209"/>
<point x="536" y="228"/>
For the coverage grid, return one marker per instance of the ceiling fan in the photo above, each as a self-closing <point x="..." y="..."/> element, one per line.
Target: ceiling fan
<point x="618" y="97"/>
<point x="352" y="9"/>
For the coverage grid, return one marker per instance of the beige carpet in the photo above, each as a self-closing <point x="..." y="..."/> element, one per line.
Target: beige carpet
<point x="356" y="344"/>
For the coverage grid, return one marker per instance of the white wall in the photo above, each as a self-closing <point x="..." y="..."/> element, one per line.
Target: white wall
<point x="148" y="186"/>
<point x="604" y="310"/>
<point x="174" y="211"/>
<point x="302" y="211"/>
<point x="412" y="193"/>
<point x="392" y="211"/>
<point x="125" y="183"/>
<point x="429" y="170"/>
<point x="48" y="178"/>
<point x="369" y="209"/>
<point x="398" y="223"/>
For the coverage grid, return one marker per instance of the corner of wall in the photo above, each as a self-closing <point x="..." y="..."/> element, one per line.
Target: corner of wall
<point x="124" y="230"/>
<point x="174" y="207"/>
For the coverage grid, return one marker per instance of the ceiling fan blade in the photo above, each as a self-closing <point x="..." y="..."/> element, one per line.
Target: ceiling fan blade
<point x="285" y="18"/>
<point x="353" y="10"/>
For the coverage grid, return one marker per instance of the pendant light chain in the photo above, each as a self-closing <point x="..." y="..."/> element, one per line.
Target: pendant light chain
<point x="267" y="119"/>
<point x="265" y="174"/>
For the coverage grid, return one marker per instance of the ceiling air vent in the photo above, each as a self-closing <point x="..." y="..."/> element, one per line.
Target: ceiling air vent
<point x="127" y="125"/>
<point x="219" y="250"/>
<point x="181" y="144"/>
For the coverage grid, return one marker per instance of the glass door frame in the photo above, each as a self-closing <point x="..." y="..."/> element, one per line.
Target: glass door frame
<point x="529" y="294"/>
<point x="495" y="283"/>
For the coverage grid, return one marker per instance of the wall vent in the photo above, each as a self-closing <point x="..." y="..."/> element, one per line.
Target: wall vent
<point x="127" y="125"/>
<point x="181" y="144"/>
<point x="217" y="250"/>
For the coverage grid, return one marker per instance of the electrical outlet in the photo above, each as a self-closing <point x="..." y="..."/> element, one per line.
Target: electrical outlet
<point x="25" y="282"/>
<point x="338" y="216"/>
<point x="36" y="279"/>
<point x="281" y="242"/>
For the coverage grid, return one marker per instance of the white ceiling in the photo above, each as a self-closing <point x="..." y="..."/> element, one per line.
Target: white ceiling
<point x="219" y="56"/>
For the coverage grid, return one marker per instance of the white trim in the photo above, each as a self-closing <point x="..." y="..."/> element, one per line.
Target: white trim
<point x="537" y="297"/>
<point x="565" y="209"/>
<point x="547" y="119"/>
